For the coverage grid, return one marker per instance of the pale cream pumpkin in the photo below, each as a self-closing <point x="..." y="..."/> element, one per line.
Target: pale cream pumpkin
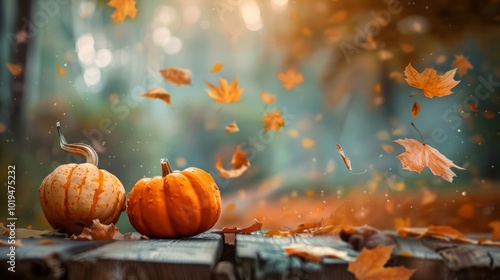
<point x="73" y="195"/>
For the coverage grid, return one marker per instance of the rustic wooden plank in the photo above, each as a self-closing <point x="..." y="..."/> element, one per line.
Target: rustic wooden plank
<point x="35" y="261"/>
<point x="412" y="253"/>
<point x="189" y="258"/>
<point x="467" y="261"/>
<point x="260" y="257"/>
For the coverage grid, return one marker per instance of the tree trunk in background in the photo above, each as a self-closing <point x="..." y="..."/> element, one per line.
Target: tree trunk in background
<point x="19" y="56"/>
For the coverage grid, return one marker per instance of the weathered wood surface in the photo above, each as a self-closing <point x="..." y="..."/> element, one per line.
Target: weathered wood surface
<point x="189" y="258"/>
<point x="35" y="261"/>
<point x="260" y="257"/>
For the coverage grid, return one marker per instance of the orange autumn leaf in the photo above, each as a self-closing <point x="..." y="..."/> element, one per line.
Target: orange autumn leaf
<point x="158" y="93"/>
<point x="369" y="265"/>
<point x="277" y="233"/>
<point x="347" y="161"/>
<point x="273" y="121"/>
<point x="15" y="69"/>
<point x="239" y="162"/>
<point x="430" y="82"/>
<point x="216" y="68"/>
<point x="256" y="225"/>
<point x="315" y="253"/>
<point x="463" y="65"/>
<point x="123" y="8"/>
<point x="60" y="71"/>
<point x="417" y="156"/>
<point x="388" y="148"/>
<point x="445" y="233"/>
<point x="290" y="78"/>
<point x="473" y="107"/>
<point x="307" y="143"/>
<point x="415" y="109"/>
<point x="267" y="98"/>
<point x="232" y="128"/>
<point x="99" y="231"/>
<point x="225" y="93"/>
<point x="176" y="76"/>
<point x="495" y="225"/>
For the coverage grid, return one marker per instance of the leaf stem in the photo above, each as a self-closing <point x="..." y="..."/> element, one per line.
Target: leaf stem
<point x="421" y="137"/>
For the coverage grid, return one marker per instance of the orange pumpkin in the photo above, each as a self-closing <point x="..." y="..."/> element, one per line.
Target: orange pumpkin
<point x="73" y="195"/>
<point x="176" y="204"/>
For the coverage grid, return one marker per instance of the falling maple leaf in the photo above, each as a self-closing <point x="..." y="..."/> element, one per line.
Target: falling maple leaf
<point x="415" y="109"/>
<point x="290" y="78"/>
<point x="216" y="68"/>
<point x="15" y="69"/>
<point x="273" y="121"/>
<point x="430" y="82"/>
<point x="369" y="265"/>
<point x="418" y="155"/>
<point x="158" y="93"/>
<point x="495" y="225"/>
<point x="225" y="93"/>
<point x="256" y="225"/>
<point x="232" y="128"/>
<point x="463" y="65"/>
<point x="99" y="231"/>
<point x="315" y="253"/>
<point x="176" y="76"/>
<point x="239" y="162"/>
<point x="60" y="71"/>
<point x="267" y="98"/>
<point x="123" y="8"/>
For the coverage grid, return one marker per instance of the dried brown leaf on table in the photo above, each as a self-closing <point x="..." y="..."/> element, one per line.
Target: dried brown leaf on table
<point x="25" y="232"/>
<point x="277" y="233"/>
<point x="239" y="162"/>
<point x="256" y="225"/>
<point x="158" y="93"/>
<point x="99" y="231"/>
<point x="15" y="69"/>
<point x="123" y="8"/>
<point x="216" y="68"/>
<point x="370" y="265"/>
<point x="415" y="109"/>
<point x="418" y="155"/>
<point x="463" y="65"/>
<point x="273" y="121"/>
<point x="60" y="70"/>
<point x="445" y="233"/>
<point x="290" y="78"/>
<point x="430" y="82"/>
<point x="267" y="98"/>
<point x="315" y="253"/>
<point x="225" y="93"/>
<point x="232" y="128"/>
<point x="176" y="76"/>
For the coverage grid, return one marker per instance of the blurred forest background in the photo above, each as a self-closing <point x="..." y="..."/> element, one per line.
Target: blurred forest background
<point x="352" y="55"/>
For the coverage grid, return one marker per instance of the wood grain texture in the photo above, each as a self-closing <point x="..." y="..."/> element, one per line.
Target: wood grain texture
<point x="35" y="261"/>
<point x="259" y="257"/>
<point x="189" y="258"/>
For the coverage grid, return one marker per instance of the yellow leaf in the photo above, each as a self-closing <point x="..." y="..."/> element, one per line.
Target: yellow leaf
<point x="462" y="64"/>
<point x="123" y="8"/>
<point x="225" y="93"/>
<point x="216" y="68"/>
<point x="290" y="78"/>
<point x="267" y="98"/>
<point x="273" y="121"/>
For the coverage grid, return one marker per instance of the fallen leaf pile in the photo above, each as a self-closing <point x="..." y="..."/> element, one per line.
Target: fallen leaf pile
<point x="370" y="265"/>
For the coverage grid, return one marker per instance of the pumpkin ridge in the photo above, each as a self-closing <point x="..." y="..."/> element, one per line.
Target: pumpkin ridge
<point x="117" y="211"/>
<point x="98" y="191"/>
<point x="66" y="189"/>
<point x="54" y="180"/>
<point x="205" y="205"/>
<point x="143" y="205"/>
<point x="81" y="185"/>
<point x="165" y="189"/>
<point x="172" y="219"/>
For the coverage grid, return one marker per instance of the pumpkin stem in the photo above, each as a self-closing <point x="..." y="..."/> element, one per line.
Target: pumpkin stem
<point x="165" y="167"/>
<point x="79" y="149"/>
